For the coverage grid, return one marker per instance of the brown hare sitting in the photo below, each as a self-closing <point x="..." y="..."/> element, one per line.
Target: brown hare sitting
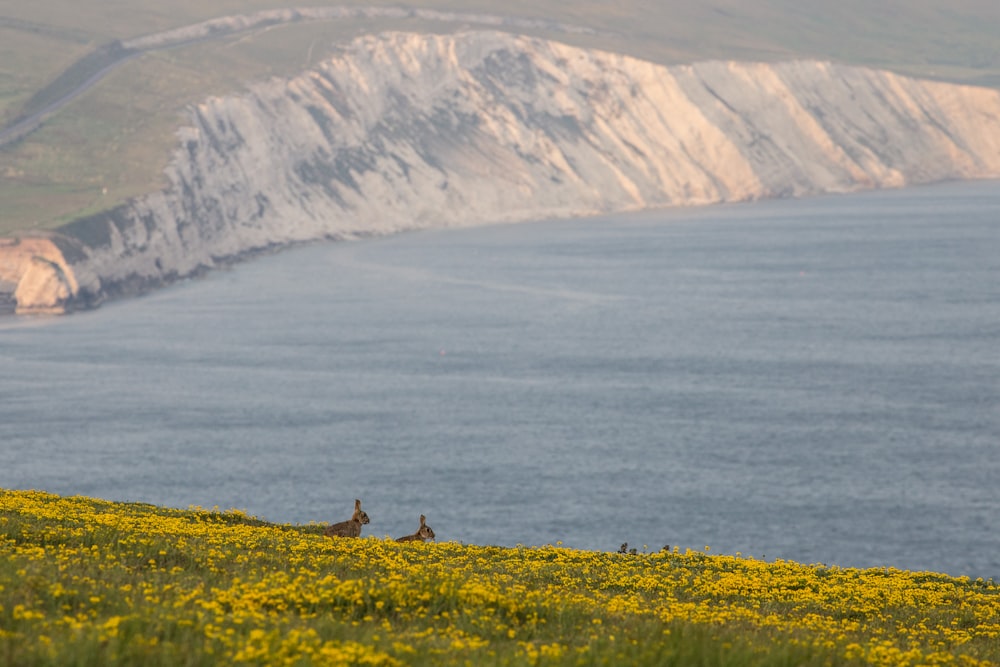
<point x="423" y="533"/>
<point x="351" y="527"/>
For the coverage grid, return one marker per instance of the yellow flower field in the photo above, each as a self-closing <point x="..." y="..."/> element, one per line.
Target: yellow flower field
<point x="89" y="582"/>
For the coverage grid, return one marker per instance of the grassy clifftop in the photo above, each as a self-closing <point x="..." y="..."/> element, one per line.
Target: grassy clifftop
<point x="83" y="581"/>
<point x="113" y="143"/>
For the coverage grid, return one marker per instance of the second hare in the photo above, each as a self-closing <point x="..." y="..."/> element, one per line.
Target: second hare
<point x="351" y="527"/>
<point x="423" y="533"/>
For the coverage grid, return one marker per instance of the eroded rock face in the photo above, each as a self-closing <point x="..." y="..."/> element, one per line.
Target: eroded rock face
<point x="404" y="131"/>
<point x="44" y="288"/>
<point x="38" y="276"/>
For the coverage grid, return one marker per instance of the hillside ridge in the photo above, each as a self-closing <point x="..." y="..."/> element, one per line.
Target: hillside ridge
<point x="405" y="131"/>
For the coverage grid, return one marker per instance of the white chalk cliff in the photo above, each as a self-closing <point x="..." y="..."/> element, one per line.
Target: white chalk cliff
<point x="404" y="131"/>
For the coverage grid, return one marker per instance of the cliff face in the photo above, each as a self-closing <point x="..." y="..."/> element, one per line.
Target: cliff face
<point x="404" y="131"/>
<point x="37" y="274"/>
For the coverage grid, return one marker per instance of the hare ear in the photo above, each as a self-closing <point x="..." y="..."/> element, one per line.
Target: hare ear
<point x="423" y="520"/>
<point x="357" y="504"/>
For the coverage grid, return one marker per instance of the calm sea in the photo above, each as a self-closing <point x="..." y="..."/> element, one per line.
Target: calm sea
<point x="815" y="380"/>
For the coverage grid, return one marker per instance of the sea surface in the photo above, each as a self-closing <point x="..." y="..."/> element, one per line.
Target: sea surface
<point x="815" y="380"/>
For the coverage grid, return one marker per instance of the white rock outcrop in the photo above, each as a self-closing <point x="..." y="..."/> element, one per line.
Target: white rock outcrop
<point x="404" y="131"/>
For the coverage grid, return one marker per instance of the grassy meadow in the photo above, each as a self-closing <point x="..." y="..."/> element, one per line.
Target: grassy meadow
<point x="113" y="142"/>
<point x="90" y="582"/>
